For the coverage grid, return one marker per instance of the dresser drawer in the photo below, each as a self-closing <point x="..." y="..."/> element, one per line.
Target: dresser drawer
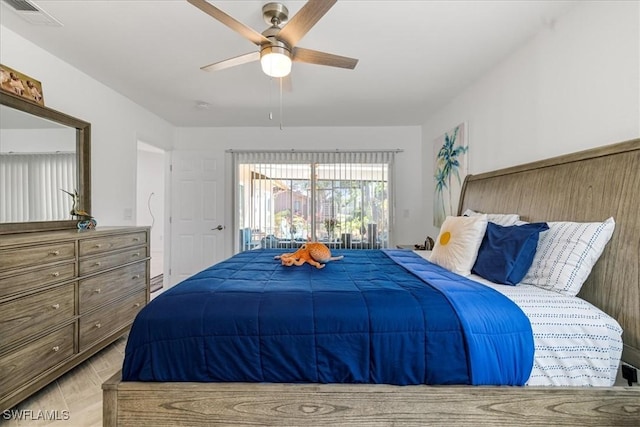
<point x="23" y="317"/>
<point x="36" y="279"/>
<point x="100" y="323"/>
<point x="31" y="360"/>
<point x="105" y="262"/>
<point x="36" y="255"/>
<point x="109" y="243"/>
<point x="103" y="288"/>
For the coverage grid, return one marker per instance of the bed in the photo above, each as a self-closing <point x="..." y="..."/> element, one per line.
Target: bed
<point x="587" y="186"/>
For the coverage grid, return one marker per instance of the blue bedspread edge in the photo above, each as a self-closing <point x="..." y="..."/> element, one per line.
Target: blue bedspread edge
<point x="498" y="335"/>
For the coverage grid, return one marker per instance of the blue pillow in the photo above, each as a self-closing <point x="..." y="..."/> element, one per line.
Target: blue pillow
<point x="506" y="253"/>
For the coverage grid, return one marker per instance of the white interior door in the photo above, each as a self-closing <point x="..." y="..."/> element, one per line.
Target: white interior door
<point x="197" y="212"/>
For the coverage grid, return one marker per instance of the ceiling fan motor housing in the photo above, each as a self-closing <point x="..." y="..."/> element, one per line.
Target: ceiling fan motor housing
<point x="276" y="46"/>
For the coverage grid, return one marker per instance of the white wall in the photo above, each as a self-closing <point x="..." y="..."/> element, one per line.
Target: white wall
<point x="409" y="177"/>
<point x="574" y="86"/>
<point x="116" y="124"/>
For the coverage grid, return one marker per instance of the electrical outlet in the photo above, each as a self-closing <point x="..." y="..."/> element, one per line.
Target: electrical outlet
<point x="630" y="374"/>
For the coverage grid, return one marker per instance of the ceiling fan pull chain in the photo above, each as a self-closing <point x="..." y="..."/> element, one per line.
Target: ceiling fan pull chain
<point x="280" y="87"/>
<point x="271" y="98"/>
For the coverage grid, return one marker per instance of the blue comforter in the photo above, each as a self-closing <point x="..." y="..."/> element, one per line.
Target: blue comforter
<point x="374" y="317"/>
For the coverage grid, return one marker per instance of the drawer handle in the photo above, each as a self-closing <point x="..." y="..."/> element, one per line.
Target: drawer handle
<point x="136" y="254"/>
<point x="98" y="325"/>
<point x="97" y="245"/>
<point x="136" y="305"/>
<point x="137" y="276"/>
<point x="56" y="306"/>
<point x="54" y="253"/>
<point x="56" y="348"/>
<point x="97" y="264"/>
<point x="97" y="291"/>
<point x="55" y="273"/>
<point x="136" y="239"/>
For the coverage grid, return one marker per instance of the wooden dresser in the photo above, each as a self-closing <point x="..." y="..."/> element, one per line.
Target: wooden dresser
<point x="65" y="295"/>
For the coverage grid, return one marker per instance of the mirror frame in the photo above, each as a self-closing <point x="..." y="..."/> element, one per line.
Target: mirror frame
<point x="83" y="159"/>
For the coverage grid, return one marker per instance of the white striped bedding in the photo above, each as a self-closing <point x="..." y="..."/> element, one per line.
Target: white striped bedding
<point x="576" y="344"/>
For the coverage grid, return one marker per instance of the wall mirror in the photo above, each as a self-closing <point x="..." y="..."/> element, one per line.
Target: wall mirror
<point x="43" y="153"/>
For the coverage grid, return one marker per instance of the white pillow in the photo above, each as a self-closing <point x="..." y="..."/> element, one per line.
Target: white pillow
<point x="504" y="220"/>
<point x="456" y="247"/>
<point x="566" y="254"/>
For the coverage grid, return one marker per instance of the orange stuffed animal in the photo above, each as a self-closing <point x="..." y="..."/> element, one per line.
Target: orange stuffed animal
<point x="314" y="253"/>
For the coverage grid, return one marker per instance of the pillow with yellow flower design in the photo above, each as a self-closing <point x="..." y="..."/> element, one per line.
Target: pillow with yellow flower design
<point x="456" y="247"/>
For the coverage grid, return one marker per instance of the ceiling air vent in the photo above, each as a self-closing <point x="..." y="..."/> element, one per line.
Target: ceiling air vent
<point x="31" y="13"/>
<point x="21" y="5"/>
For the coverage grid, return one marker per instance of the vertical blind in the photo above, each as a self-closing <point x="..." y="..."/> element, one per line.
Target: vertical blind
<point x="31" y="186"/>
<point x="342" y="198"/>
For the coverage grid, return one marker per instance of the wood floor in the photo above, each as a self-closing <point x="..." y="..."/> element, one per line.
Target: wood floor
<point x="76" y="395"/>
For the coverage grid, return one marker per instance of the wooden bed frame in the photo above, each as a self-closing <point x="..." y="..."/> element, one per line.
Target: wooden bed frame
<point x="590" y="185"/>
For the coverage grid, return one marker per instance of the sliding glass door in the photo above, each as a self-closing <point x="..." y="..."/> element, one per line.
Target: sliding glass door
<point x="343" y="199"/>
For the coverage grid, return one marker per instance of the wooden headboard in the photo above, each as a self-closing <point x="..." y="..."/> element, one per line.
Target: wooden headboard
<point x="589" y="185"/>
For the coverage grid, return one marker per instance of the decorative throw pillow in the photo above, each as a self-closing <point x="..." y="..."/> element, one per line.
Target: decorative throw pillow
<point x="501" y="219"/>
<point x="566" y="254"/>
<point x="456" y="247"/>
<point x="506" y="253"/>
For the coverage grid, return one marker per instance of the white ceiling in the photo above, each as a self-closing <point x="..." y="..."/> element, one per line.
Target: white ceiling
<point x="415" y="56"/>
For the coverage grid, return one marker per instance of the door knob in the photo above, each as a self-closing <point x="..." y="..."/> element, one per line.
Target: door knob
<point x="219" y="228"/>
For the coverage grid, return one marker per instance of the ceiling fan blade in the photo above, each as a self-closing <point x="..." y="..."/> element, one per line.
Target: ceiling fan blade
<point x="322" y="58"/>
<point x="302" y="22"/>
<point x="237" y="26"/>
<point x="232" y="62"/>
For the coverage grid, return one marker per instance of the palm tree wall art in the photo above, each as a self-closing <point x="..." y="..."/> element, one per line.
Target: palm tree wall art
<point x="450" y="155"/>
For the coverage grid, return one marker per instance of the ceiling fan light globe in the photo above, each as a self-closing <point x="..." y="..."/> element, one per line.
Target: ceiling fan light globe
<point x="275" y="61"/>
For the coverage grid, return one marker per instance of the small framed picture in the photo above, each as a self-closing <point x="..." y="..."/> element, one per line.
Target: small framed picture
<point x="20" y="84"/>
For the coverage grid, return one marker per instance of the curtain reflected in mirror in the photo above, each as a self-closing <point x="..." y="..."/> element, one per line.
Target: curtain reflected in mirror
<point x="37" y="162"/>
<point x="32" y="185"/>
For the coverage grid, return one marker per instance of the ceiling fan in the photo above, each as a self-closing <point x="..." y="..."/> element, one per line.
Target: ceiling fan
<point x="278" y="43"/>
